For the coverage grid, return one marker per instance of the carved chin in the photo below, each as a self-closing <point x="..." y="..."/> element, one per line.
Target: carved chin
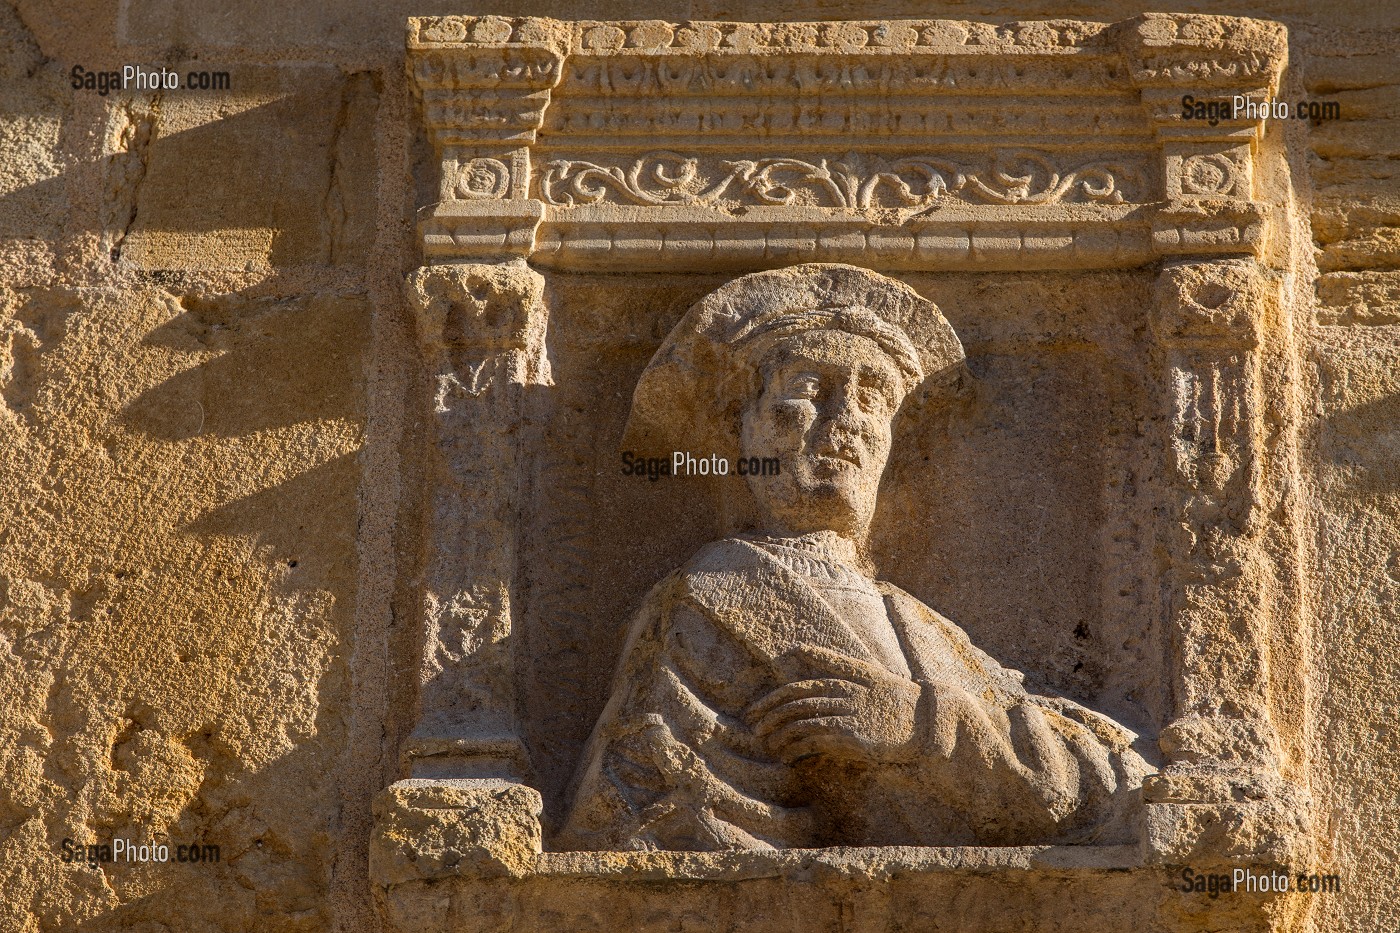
<point x="838" y="479"/>
<point x="835" y="497"/>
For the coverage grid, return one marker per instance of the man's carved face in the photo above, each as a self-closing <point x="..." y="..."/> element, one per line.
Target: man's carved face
<point x="825" y="410"/>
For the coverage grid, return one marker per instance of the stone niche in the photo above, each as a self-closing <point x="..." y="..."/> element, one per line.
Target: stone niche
<point x="1100" y="497"/>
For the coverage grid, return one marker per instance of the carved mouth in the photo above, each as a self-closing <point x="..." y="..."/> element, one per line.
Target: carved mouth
<point x="837" y="458"/>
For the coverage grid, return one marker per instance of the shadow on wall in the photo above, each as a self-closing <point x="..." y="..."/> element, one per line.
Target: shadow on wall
<point x="310" y="516"/>
<point x="1360" y="448"/>
<point x="274" y="863"/>
<point x="272" y="418"/>
<point x="228" y="643"/>
<point x="207" y="180"/>
<point x="279" y="362"/>
<point x="203" y="491"/>
<point x="180" y="598"/>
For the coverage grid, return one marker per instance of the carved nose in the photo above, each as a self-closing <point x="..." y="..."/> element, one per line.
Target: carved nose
<point x="838" y="437"/>
<point x="842" y="413"/>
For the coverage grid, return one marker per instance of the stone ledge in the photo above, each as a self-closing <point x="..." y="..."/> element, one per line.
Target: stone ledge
<point x="465" y="855"/>
<point x="839" y="861"/>
<point x="1031" y="889"/>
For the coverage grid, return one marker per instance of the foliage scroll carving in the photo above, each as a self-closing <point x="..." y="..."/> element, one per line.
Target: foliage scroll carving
<point x="853" y="182"/>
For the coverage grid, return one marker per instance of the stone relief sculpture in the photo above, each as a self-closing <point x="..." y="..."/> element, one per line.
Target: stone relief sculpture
<point x="772" y="692"/>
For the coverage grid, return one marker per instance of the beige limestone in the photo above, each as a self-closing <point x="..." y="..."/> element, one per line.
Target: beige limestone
<point x="247" y="386"/>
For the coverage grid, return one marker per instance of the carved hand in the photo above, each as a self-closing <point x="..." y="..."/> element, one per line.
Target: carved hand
<point x="864" y="713"/>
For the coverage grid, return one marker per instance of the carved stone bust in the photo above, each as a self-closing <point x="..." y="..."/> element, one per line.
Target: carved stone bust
<point x="772" y="692"/>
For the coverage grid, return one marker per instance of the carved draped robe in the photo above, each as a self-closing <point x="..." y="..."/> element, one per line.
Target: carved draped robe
<point x="673" y="763"/>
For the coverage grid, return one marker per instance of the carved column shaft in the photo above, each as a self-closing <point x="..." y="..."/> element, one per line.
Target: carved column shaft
<point x="1221" y="794"/>
<point x="481" y="329"/>
<point x="1207" y="324"/>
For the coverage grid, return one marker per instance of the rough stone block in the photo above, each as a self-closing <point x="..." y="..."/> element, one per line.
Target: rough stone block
<point x="440" y="828"/>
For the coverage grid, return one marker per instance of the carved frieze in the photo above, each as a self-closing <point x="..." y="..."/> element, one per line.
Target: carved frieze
<point x="565" y="142"/>
<point x="853" y="182"/>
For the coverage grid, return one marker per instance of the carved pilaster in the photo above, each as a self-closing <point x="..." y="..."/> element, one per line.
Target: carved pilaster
<point x="1220" y="795"/>
<point x="482" y="331"/>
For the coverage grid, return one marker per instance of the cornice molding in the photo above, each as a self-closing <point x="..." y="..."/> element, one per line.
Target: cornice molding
<point x="576" y="143"/>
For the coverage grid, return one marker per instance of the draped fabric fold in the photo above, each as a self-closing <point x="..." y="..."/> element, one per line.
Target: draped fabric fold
<point x="673" y="763"/>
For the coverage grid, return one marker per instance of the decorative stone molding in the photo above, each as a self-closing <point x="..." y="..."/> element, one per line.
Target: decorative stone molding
<point x="701" y="146"/>
<point x="1028" y="888"/>
<point x="1221" y="796"/>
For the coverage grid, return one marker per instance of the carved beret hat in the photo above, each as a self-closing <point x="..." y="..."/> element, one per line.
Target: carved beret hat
<point x="685" y="399"/>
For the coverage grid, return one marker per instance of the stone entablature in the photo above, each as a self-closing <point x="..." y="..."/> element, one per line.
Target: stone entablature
<point x="927" y="144"/>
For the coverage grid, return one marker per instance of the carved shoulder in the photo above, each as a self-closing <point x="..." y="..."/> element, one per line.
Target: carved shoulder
<point x="943" y="651"/>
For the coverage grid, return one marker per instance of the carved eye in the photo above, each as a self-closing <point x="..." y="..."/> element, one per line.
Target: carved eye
<point x="876" y="392"/>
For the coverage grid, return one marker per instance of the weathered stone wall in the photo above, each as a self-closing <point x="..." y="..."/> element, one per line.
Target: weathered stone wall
<point x="206" y="505"/>
<point x="1352" y="458"/>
